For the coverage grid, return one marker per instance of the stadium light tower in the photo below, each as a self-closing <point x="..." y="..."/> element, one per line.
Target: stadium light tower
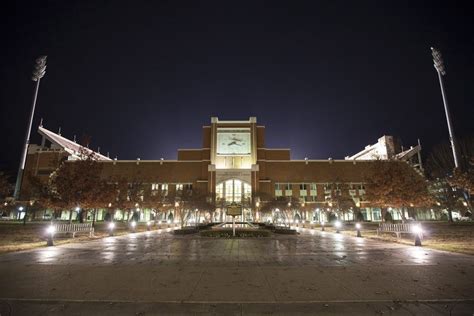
<point x="38" y="73"/>
<point x="439" y="66"/>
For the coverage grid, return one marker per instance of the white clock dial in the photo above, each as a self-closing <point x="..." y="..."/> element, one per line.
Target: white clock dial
<point x="233" y="143"/>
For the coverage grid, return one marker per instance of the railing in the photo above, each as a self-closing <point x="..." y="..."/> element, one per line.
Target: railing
<point x="74" y="228"/>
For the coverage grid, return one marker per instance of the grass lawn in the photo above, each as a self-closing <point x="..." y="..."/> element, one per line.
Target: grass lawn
<point x="455" y="237"/>
<point x="14" y="236"/>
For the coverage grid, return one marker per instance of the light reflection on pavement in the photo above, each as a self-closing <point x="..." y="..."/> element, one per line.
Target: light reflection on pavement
<point x="311" y="247"/>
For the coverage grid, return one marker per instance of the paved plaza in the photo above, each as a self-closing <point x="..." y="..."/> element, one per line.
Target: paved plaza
<point x="159" y="273"/>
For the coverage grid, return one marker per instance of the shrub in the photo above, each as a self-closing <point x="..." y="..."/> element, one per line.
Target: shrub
<point x="227" y="233"/>
<point x="285" y="231"/>
<point x="185" y="231"/>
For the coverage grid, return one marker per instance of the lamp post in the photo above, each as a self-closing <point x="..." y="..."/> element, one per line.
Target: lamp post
<point x="50" y="232"/>
<point x="111" y="228"/>
<point x="38" y="73"/>
<point x="418" y="231"/>
<point x="441" y="70"/>
<point x="358" y="227"/>
<point x="257" y="217"/>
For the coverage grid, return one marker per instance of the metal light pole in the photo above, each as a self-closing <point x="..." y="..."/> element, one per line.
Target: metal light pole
<point x="439" y="66"/>
<point x="38" y="73"/>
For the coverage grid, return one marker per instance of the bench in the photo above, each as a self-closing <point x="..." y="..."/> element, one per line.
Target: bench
<point x="402" y="228"/>
<point x="74" y="229"/>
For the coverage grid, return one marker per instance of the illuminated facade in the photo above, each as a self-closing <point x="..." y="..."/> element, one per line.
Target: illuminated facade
<point x="233" y="165"/>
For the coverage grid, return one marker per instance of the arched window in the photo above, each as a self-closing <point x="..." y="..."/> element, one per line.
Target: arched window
<point x="233" y="190"/>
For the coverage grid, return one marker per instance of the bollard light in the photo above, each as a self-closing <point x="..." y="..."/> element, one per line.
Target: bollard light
<point x="111" y="228"/>
<point x="418" y="231"/>
<point x="50" y="232"/>
<point x="148" y="225"/>
<point x="358" y="227"/>
<point x="133" y="224"/>
<point x="322" y="226"/>
<point x="337" y="224"/>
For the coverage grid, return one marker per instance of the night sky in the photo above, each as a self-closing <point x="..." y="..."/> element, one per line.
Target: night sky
<point x="325" y="78"/>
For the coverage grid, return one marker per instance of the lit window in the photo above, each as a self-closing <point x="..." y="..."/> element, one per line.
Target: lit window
<point x="220" y="191"/>
<point x="229" y="191"/>
<point x="164" y="189"/>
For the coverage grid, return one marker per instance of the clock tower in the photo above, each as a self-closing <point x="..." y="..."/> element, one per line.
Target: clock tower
<point x="233" y="155"/>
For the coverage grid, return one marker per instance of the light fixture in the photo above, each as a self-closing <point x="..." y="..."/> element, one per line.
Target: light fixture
<point x="417" y="229"/>
<point x="358" y="227"/>
<point x="51" y="229"/>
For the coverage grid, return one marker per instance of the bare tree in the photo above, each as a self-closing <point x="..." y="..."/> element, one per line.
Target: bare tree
<point x="440" y="167"/>
<point x="6" y="187"/>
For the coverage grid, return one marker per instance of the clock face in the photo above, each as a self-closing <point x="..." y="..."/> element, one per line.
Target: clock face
<point x="233" y="143"/>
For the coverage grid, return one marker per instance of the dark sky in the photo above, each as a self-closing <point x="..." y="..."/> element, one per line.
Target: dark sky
<point x="326" y="78"/>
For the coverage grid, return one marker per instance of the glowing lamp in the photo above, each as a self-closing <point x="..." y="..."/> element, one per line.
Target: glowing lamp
<point x="111" y="226"/>
<point x="358" y="226"/>
<point x="417" y="229"/>
<point x="51" y="230"/>
<point x="133" y="224"/>
<point x="337" y="224"/>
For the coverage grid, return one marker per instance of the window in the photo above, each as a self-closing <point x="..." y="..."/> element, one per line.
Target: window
<point x="229" y="191"/>
<point x="278" y="189"/>
<point x="303" y="189"/>
<point x="164" y="189"/>
<point x="188" y="187"/>
<point x="313" y="187"/>
<point x="233" y="191"/>
<point x="247" y="191"/>
<point x="154" y="188"/>
<point x="237" y="191"/>
<point x="179" y="187"/>
<point x="288" y="186"/>
<point x="220" y="191"/>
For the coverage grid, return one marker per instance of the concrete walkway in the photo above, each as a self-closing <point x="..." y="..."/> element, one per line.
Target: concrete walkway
<point x="160" y="273"/>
